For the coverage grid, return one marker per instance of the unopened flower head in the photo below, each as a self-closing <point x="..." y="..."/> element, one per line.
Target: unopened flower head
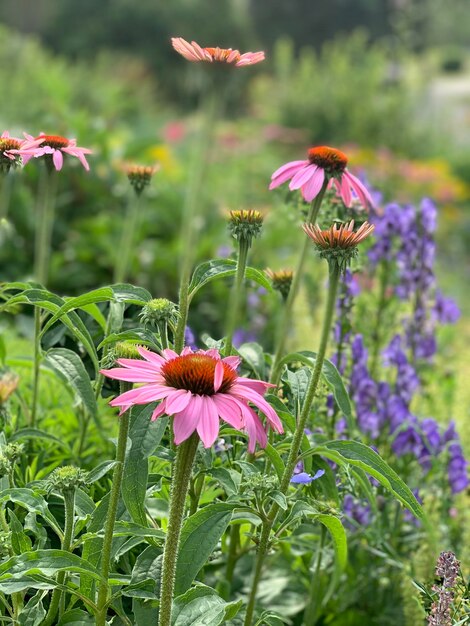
<point x="322" y="164"/>
<point x="245" y="225"/>
<point x="338" y="244"/>
<point x="194" y="53"/>
<point x="8" y="383"/>
<point x="140" y="176"/>
<point x="13" y="151"/>
<point x="121" y="350"/>
<point x="13" y="451"/>
<point x="197" y="389"/>
<point x="158" y="311"/>
<point x="281" y="280"/>
<point x="67" y="478"/>
<point x="53" y="148"/>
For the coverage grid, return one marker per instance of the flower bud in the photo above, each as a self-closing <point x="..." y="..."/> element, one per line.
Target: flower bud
<point x="157" y="311"/>
<point x="140" y="176"/>
<point x="67" y="478"/>
<point x="245" y="225"/>
<point x="280" y="280"/>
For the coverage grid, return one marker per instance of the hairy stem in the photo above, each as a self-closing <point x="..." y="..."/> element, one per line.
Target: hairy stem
<point x="103" y="589"/>
<point x="127" y="239"/>
<point x="286" y="314"/>
<point x="295" y="446"/>
<point x="179" y="490"/>
<point x="236" y="294"/>
<point x="69" y="503"/>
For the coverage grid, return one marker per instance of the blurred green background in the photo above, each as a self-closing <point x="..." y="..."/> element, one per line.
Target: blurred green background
<point x="386" y="80"/>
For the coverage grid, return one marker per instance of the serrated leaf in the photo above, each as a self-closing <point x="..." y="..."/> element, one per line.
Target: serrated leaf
<point x="228" y="478"/>
<point x="200" y="535"/>
<point x="20" y="542"/>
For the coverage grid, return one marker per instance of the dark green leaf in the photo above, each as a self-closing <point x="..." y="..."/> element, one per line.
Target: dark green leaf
<point x="228" y="478"/>
<point x="20" y="542"/>
<point x="200" y="535"/>
<point x="201" y="606"/>
<point x="223" y="268"/>
<point x="48" y="562"/>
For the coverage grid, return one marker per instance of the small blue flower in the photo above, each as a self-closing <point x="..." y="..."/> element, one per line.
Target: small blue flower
<point x="302" y="478"/>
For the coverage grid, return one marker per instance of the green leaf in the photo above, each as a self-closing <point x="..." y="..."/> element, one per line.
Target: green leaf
<point x="279" y="498"/>
<point x="130" y="294"/>
<point x="223" y="268"/>
<point x="124" y="529"/>
<point x="145" y="436"/>
<point x="200" y="535"/>
<point x="76" y="617"/>
<point x="32" y="502"/>
<point x="340" y="542"/>
<point x="97" y="295"/>
<point x="20" y="542"/>
<point x="34" y="433"/>
<point x="201" y="606"/>
<point x="228" y="478"/>
<point x="148" y="565"/>
<point x="48" y="562"/>
<point x="252" y="353"/>
<point x="52" y="303"/>
<point x="141" y="336"/>
<point x="360" y="455"/>
<point x="99" y="471"/>
<point x="33" y="613"/>
<point x="69" y="367"/>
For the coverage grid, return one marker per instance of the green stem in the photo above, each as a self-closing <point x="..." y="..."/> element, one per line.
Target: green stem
<point x="297" y="438"/>
<point x="6" y="181"/>
<point x="179" y="490"/>
<point x="312" y="605"/>
<point x="191" y="212"/>
<point x="103" y="589"/>
<point x="163" y="332"/>
<point x="44" y="221"/>
<point x="286" y="314"/>
<point x="127" y="240"/>
<point x="236" y="293"/>
<point x="382" y="305"/>
<point x="69" y="502"/>
<point x="234" y="542"/>
<point x="195" y="493"/>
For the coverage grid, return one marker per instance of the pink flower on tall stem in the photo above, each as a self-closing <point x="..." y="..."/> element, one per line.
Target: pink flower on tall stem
<point x="57" y="146"/>
<point x="15" y="151"/>
<point x="309" y="176"/>
<point x="198" y="389"/>
<point x="194" y="53"/>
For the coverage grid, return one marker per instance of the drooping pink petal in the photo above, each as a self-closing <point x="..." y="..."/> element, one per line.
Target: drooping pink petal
<point x="229" y="409"/>
<point x="150" y="356"/>
<point x="141" y="395"/>
<point x="218" y="375"/>
<point x="184" y="48"/>
<point x="159" y="411"/>
<point x="250" y="58"/>
<point x="208" y="425"/>
<point x="302" y="176"/>
<point x="131" y="375"/>
<point x="58" y="160"/>
<point x="311" y="189"/>
<point x="345" y="191"/>
<point x="80" y="154"/>
<point x="245" y="393"/>
<point x="360" y="190"/>
<point x="186" y="422"/>
<point x="177" y="401"/>
<point x="285" y="172"/>
<point x="169" y="354"/>
<point x="257" y="385"/>
<point x="233" y="361"/>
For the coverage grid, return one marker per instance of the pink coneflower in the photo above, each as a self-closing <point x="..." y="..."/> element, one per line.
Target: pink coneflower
<point x="14" y="151"/>
<point x="309" y="176"/>
<point x="57" y="146"/>
<point x="193" y="52"/>
<point x="197" y="388"/>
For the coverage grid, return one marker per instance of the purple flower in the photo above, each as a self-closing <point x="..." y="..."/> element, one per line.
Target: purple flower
<point x="445" y="310"/>
<point x="407" y="441"/>
<point x="356" y="511"/>
<point x="189" y="338"/>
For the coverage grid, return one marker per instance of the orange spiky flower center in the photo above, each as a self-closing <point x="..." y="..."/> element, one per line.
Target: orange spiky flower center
<point x="7" y="143"/>
<point x="54" y="141"/>
<point x="222" y="54"/>
<point x="195" y="373"/>
<point x="333" y="161"/>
